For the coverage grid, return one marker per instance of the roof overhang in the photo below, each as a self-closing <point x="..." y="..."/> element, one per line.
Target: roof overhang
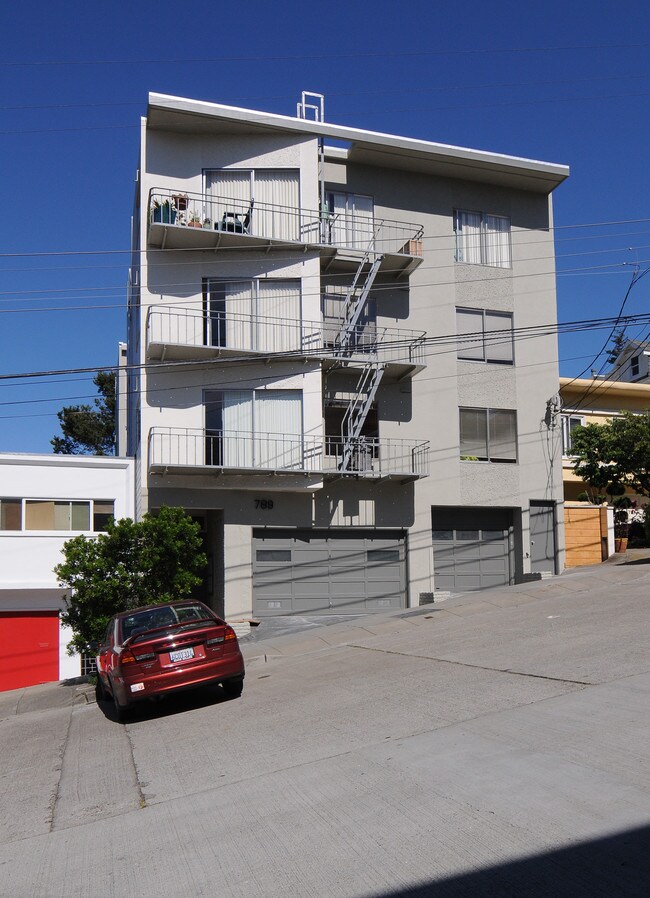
<point x="597" y="389"/>
<point x="170" y="113"/>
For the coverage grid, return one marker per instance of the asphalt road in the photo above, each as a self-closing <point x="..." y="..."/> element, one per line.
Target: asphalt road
<point x="492" y="745"/>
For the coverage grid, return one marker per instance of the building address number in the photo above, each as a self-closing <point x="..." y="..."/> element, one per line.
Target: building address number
<point x="265" y="504"/>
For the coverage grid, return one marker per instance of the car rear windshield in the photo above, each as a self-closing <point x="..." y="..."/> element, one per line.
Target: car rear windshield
<point x="162" y="617"/>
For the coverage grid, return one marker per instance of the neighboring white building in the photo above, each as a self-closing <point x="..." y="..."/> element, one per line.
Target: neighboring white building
<point x="294" y="380"/>
<point x="45" y="500"/>
<point x="632" y="364"/>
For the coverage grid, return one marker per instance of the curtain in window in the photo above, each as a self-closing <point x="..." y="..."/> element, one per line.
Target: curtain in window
<point x="503" y="436"/>
<point x="498" y="346"/>
<point x="353" y="220"/>
<point x="473" y="433"/>
<point x="277" y="207"/>
<point x="228" y="192"/>
<point x="237" y="419"/>
<point x="497" y="241"/>
<point x="278" y="426"/>
<point x="468" y="237"/>
<point x="469" y="327"/>
<point x="239" y="315"/>
<point x="278" y="316"/>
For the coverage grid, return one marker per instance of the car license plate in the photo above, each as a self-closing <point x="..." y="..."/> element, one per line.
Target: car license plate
<point x="181" y="655"/>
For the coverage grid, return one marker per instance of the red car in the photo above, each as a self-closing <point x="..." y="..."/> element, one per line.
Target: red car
<point x="161" y="648"/>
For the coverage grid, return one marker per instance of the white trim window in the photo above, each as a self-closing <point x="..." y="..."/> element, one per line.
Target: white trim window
<point x="260" y="202"/>
<point x="261" y="315"/>
<point x="56" y="515"/>
<point x="351" y="220"/>
<point x="488" y="434"/>
<point x="254" y="429"/>
<point x="569" y="424"/>
<point x="482" y="239"/>
<point x="485" y="336"/>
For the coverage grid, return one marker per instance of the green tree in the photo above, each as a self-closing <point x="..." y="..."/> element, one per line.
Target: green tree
<point x="88" y="429"/>
<point x="619" y="342"/>
<point x="616" y="455"/>
<point x="156" y="560"/>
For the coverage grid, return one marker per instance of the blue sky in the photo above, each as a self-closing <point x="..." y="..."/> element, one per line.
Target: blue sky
<point x="560" y="82"/>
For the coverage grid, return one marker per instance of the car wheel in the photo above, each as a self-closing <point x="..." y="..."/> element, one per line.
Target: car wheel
<point x="233" y="688"/>
<point x="121" y="711"/>
<point x="100" y="691"/>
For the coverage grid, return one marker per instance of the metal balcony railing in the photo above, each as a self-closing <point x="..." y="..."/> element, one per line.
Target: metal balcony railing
<point x="268" y="221"/>
<point x="184" y="448"/>
<point x="266" y="335"/>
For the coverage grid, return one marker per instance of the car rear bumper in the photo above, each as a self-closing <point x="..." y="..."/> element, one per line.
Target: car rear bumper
<point x="186" y="677"/>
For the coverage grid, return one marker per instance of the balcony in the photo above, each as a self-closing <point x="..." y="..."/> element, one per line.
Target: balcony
<point x="205" y="221"/>
<point x="178" y="334"/>
<point x="249" y="456"/>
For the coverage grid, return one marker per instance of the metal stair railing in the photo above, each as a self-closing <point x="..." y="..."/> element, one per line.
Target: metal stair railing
<point x="357" y="412"/>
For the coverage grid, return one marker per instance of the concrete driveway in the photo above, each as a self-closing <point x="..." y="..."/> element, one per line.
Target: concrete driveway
<point x="497" y="744"/>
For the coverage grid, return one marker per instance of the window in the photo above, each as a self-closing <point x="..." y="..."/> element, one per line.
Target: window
<point x="254" y="428"/>
<point x="11" y="514"/>
<point x="488" y="435"/>
<point x="634" y="366"/>
<point x="569" y="424"/>
<point x="103" y="512"/>
<point x="350" y="220"/>
<point x="254" y="316"/>
<point x="485" y="336"/>
<point x="66" y="515"/>
<point x="56" y="515"/>
<point x="482" y="239"/>
<point x="263" y="202"/>
<point x="273" y="555"/>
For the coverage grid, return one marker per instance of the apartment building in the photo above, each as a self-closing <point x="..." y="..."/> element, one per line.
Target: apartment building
<point x="294" y="376"/>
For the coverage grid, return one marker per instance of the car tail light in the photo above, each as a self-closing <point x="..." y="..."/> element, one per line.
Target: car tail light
<point x="127" y="658"/>
<point x="230" y="638"/>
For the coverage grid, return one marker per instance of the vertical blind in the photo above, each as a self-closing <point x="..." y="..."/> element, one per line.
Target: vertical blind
<point x="482" y="239"/>
<point x="276" y="195"/>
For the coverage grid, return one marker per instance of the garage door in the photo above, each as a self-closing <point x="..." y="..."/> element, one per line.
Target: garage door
<point x="327" y="572"/>
<point x="472" y="548"/>
<point x="29" y="648"/>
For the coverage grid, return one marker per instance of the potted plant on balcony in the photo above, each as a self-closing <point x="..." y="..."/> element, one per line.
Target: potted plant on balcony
<point x="194" y="221"/>
<point x="163" y="212"/>
<point x="180" y="201"/>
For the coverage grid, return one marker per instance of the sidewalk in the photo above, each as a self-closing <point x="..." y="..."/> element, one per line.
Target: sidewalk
<point x="47" y="696"/>
<point x="313" y="634"/>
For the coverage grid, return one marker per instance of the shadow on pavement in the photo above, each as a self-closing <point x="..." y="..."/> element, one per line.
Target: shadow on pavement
<point x="614" y="865"/>
<point x="165" y="706"/>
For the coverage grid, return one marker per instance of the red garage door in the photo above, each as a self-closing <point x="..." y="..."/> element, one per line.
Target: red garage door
<point x="29" y="648"/>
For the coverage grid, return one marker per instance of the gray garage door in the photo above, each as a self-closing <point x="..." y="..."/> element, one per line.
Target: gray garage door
<point x="327" y="572"/>
<point x="472" y="548"/>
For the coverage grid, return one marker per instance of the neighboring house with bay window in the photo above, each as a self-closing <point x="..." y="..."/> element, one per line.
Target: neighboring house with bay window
<point x="44" y="501"/>
<point x="294" y="378"/>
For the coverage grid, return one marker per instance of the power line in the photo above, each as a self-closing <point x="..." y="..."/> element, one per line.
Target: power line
<point x="547" y="329"/>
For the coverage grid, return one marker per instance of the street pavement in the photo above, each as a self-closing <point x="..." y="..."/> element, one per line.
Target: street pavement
<point x="494" y="744"/>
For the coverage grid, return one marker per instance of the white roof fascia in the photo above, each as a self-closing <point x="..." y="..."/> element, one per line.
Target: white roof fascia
<point x="355" y="135"/>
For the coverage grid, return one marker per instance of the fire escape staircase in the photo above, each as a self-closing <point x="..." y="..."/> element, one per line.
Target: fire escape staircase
<point x="356" y="454"/>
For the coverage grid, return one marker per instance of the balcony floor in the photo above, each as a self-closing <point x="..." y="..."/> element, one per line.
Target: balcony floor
<point x="182" y="237"/>
<point x="396" y="369"/>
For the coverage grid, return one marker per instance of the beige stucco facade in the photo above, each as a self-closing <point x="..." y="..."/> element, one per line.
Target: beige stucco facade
<point x="413" y="465"/>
